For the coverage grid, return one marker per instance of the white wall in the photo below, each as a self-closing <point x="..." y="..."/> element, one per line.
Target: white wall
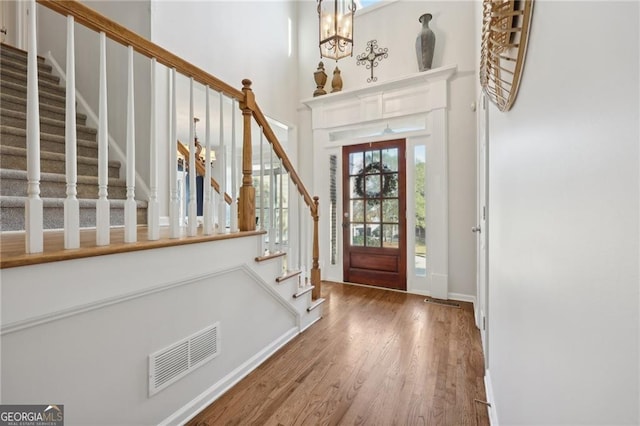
<point x="564" y="220"/>
<point x="235" y="40"/>
<point x="396" y="27"/>
<point x="232" y="41"/>
<point x="84" y="342"/>
<point x="135" y="16"/>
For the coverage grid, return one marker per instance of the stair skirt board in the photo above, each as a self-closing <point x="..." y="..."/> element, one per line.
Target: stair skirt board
<point x="12" y="213"/>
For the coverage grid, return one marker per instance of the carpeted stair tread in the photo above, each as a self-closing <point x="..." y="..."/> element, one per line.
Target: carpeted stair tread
<point x="16" y="201"/>
<point x="51" y="91"/>
<point x="20" y="77"/>
<point x="54" y="156"/>
<point x="15" y="69"/>
<point x="17" y="103"/>
<point x="12" y="136"/>
<point x="12" y="212"/>
<point x="54" y="185"/>
<point x="53" y="162"/>
<point x="21" y="66"/>
<point x="18" y="120"/>
<point x="47" y="96"/>
<point x="13" y="52"/>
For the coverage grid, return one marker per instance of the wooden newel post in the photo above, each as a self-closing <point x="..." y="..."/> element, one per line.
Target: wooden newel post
<point x="315" y="270"/>
<point x="247" y="206"/>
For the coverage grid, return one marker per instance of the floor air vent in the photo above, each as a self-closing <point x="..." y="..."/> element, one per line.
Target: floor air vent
<point x="442" y="302"/>
<point x="176" y="361"/>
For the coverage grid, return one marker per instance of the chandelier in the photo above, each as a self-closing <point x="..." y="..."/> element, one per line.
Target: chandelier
<point x="336" y="28"/>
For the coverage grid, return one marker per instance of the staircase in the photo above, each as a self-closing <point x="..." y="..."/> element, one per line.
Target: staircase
<point x="13" y="161"/>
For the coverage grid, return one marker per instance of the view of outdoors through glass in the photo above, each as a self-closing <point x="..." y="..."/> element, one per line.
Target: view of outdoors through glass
<point x="373" y="198"/>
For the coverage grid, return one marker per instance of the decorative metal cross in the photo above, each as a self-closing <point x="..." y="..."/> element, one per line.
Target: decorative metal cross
<point x="371" y="56"/>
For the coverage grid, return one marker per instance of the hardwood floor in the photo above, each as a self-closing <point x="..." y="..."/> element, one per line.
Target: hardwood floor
<point x="376" y="358"/>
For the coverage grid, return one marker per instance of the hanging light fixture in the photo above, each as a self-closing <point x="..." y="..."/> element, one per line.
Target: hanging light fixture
<point x="336" y="28"/>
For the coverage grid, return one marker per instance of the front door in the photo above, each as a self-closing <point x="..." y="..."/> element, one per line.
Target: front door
<point x="374" y="238"/>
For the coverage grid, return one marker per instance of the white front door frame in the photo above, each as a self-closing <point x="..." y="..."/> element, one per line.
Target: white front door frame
<point x="414" y="108"/>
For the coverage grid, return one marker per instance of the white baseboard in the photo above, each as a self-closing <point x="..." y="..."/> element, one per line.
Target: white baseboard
<point x="199" y="403"/>
<point x="491" y="409"/>
<point x="462" y="297"/>
<point x="310" y="324"/>
<point x="450" y="296"/>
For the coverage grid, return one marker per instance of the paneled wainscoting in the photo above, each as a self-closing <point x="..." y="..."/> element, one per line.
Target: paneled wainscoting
<point x="377" y="357"/>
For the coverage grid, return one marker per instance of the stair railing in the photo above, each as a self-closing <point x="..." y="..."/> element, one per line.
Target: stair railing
<point x="209" y="214"/>
<point x="245" y="218"/>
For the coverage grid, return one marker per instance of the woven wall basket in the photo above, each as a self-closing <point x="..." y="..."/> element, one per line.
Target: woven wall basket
<point x="505" y="31"/>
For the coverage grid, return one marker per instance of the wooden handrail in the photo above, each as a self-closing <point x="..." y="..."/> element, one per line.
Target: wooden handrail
<point x="116" y="32"/>
<point x="280" y="152"/>
<point x="184" y="151"/>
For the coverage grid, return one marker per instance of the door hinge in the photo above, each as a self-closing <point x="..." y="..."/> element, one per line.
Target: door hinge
<point x="484" y="323"/>
<point x="484" y="213"/>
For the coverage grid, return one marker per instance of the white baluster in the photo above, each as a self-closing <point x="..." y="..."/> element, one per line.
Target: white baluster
<point x="300" y="236"/>
<point x="206" y="185"/>
<point x="222" y="166"/>
<point x="234" y="171"/>
<point x="153" y="212"/>
<point x="103" y="220"/>
<point x="262" y="227"/>
<point x="193" y="205"/>
<point x="174" y="203"/>
<point x="130" y="220"/>
<point x="33" y="205"/>
<point x="272" y="205"/>
<point x="280" y="217"/>
<point x="304" y="239"/>
<point x="71" y="204"/>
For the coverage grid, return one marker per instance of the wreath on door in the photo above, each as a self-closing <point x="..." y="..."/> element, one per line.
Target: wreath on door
<point x="390" y="181"/>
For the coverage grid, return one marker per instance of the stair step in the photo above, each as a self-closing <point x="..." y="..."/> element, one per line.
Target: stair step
<point x="12" y="211"/>
<point x="46" y="95"/>
<point x="19" y="104"/>
<point x="303" y="291"/>
<point x="9" y="51"/>
<point x="53" y="162"/>
<point x="11" y="136"/>
<point x="20" y="65"/>
<point x="289" y="274"/>
<point x="53" y="185"/>
<point x="17" y="59"/>
<point x="316" y="303"/>
<point x="20" y="77"/>
<point x="47" y="125"/>
<point x="270" y="256"/>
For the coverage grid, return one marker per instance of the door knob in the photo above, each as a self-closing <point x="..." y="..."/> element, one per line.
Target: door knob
<point x="476" y="229"/>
